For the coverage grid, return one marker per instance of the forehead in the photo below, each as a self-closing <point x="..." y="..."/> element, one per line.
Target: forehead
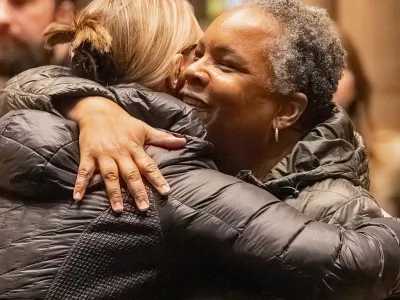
<point x="241" y="28"/>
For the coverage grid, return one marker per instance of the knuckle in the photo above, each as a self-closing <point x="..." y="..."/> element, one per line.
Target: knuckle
<point x="136" y="149"/>
<point x="110" y="176"/>
<point x="118" y="148"/>
<point x="83" y="173"/>
<point x="158" y="180"/>
<point x="88" y="148"/>
<point x="150" y="168"/>
<point x="140" y="194"/>
<point x="79" y="184"/>
<point x="133" y="175"/>
<point x="115" y="195"/>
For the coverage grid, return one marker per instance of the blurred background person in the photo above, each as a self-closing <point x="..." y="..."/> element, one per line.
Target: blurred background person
<point x="22" y="23"/>
<point x="354" y="88"/>
<point x="370" y="88"/>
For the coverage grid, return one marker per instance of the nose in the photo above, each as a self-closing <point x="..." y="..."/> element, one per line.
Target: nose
<point x="196" y="73"/>
<point x="5" y="16"/>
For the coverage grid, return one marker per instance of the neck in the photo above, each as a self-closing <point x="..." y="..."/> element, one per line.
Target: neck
<point x="259" y="157"/>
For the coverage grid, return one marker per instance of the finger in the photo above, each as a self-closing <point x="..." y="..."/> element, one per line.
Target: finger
<point x="85" y="173"/>
<point x="109" y="173"/>
<point x="148" y="168"/>
<point x="163" y="139"/>
<point x="133" y="180"/>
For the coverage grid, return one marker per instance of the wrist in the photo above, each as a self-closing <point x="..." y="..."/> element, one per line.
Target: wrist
<point x="93" y="106"/>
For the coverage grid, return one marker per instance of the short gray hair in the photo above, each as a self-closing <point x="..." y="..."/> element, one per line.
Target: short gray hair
<point x="307" y="56"/>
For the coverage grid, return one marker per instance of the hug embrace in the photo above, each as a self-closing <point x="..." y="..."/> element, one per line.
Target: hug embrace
<point x="230" y="172"/>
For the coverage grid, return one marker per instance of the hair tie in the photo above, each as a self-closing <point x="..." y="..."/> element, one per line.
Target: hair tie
<point x="89" y="63"/>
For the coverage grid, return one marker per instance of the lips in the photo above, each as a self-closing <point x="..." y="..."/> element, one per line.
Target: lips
<point x="194" y="101"/>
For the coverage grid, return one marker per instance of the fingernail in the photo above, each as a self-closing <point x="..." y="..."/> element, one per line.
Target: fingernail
<point x="77" y="196"/>
<point x="165" y="189"/>
<point x="143" y="205"/>
<point x="118" y="207"/>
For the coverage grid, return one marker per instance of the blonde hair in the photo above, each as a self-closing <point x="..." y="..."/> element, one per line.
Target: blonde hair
<point x="143" y="37"/>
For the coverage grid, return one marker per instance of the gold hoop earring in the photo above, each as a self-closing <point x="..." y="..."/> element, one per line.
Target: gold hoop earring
<point x="276" y="134"/>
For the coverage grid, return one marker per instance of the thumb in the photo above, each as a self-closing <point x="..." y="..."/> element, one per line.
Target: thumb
<point x="164" y="139"/>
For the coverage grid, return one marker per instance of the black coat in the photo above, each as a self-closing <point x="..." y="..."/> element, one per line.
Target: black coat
<point x="325" y="176"/>
<point x="232" y="237"/>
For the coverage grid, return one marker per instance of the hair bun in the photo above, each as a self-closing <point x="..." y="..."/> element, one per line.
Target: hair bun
<point x="89" y="29"/>
<point x="58" y="33"/>
<point x="91" y="43"/>
<point x="92" y="48"/>
<point x="85" y="29"/>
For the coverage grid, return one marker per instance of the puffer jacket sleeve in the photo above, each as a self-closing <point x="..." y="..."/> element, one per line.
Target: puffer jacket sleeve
<point x="38" y="89"/>
<point x="34" y="146"/>
<point x="247" y="227"/>
<point x="355" y="212"/>
<point x="43" y="87"/>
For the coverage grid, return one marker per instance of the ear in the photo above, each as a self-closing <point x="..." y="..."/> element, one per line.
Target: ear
<point x="291" y="109"/>
<point x="65" y="12"/>
<point x="172" y="82"/>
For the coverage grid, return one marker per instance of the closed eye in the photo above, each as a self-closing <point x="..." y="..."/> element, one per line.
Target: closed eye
<point x="226" y="67"/>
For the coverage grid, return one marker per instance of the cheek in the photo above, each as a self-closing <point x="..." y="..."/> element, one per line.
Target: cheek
<point x="239" y="105"/>
<point x="240" y="129"/>
<point x="226" y="91"/>
<point x="251" y="121"/>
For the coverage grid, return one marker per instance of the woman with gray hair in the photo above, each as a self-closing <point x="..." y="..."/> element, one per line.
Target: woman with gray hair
<point x="262" y="80"/>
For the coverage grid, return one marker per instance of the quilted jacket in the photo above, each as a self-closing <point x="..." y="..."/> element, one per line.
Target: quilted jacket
<point x="252" y="241"/>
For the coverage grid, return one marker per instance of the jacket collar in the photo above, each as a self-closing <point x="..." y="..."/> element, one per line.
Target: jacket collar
<point x="330" y="150"/>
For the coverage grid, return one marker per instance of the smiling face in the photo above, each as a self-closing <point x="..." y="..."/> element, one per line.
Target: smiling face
<point x="228" y="81"/>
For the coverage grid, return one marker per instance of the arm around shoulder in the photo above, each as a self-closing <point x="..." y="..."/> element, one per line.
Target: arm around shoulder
<point x="46" y="87"/>
<point x="250" y="228"/>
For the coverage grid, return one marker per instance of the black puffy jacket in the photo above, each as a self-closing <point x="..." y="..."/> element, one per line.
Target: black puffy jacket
<point x="234" y="226"/>
<point x="325" y="176"/>
<point x="50" y="249"/>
